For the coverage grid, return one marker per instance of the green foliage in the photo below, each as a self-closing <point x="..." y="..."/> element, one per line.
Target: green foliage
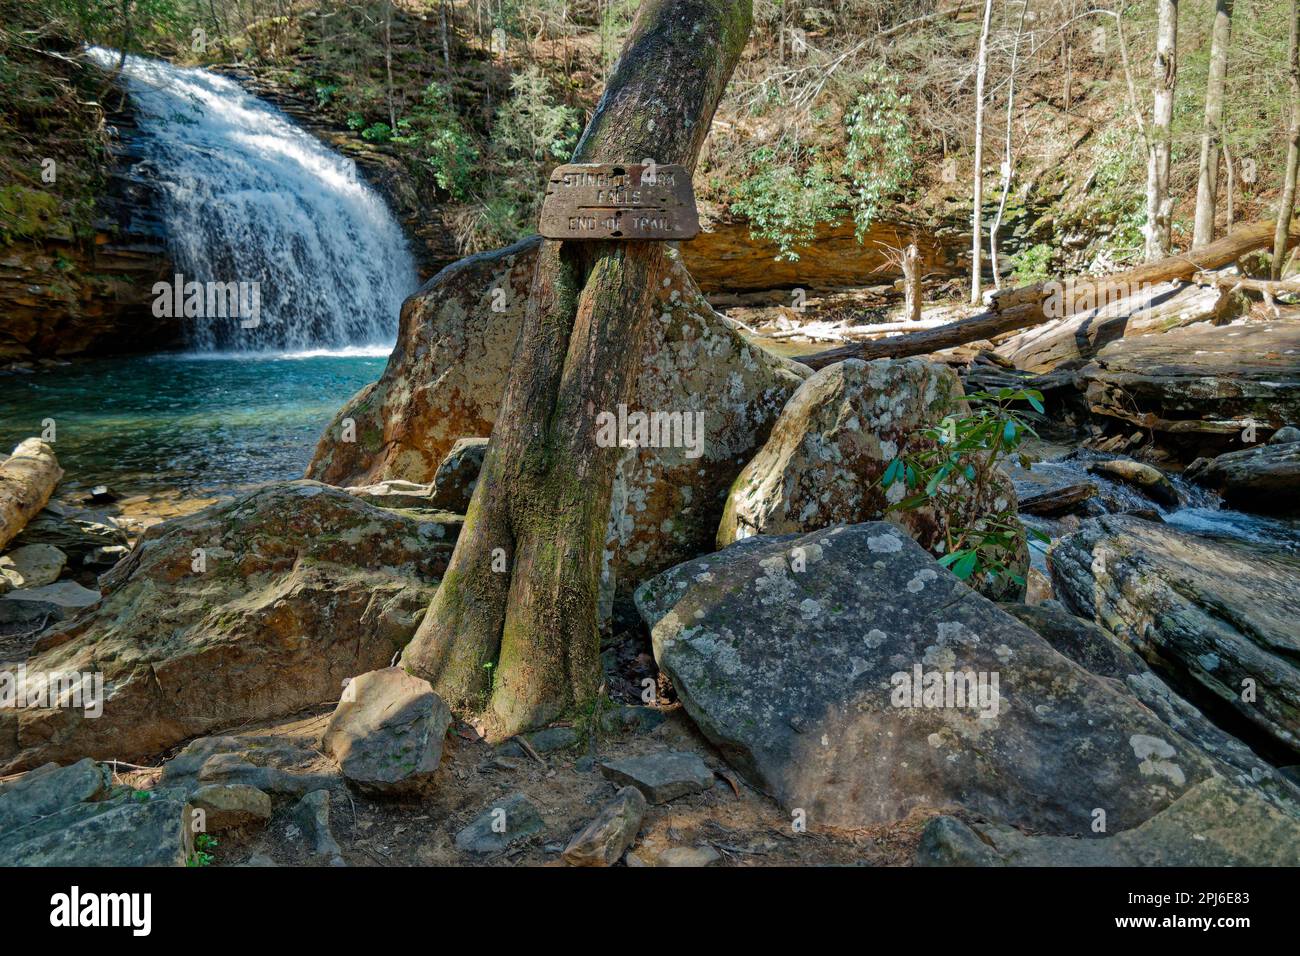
<point x="441" y="140"/>
<point x="204" y="844"/>
<point x="954" y="467"/>
<point x="784" y="205"/>
<point x="878" y="151"/>
<point x="26" y="213"/>
<point x="1033" y="264"/>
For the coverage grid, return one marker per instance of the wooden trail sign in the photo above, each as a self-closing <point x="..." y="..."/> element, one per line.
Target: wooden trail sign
<point x="619" y="201"/>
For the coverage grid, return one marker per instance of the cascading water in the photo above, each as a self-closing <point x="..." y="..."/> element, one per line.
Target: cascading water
<point x="250" y="198"/>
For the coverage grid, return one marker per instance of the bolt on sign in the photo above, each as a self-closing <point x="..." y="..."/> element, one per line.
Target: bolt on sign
<point x="619" y="201"/>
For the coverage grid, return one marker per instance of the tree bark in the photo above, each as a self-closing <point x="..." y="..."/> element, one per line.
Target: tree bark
<point x="512" y="632"/>
<point x="977" y="217"/>
<point x="1207" y="185"/>
<point x="1006" y="153"/>
<point x="27" y="479"/>
<point x="1286" y="204"/>
<point x="1164" y="75"/>
<point x="910" y="263"/>
<point x="1023" y="308"/>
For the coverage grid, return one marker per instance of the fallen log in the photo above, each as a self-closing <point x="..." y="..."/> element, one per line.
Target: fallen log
<point x="1022" y="308"/>
<point x="27" y="479"/>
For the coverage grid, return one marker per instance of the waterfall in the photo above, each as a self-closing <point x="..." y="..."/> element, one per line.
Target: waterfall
<point x="251" y="199"/>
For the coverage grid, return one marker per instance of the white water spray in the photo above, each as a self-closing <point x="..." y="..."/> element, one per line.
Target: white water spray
<point x="251" y="197"/>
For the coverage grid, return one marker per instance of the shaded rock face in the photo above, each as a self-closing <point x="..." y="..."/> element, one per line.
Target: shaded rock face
<point x="807" y="683"/>
<point x="823" y="463"/>
<point x="1264" y="479"/>
<point x="74" y="816"/>
<point x="1214" y="824"/>
<point x="457" y="476"/>
<point x="446" y="375"/>
<point x="248" y="610"/>
<point x="1218" y="616"/>
<point x="1201" y="384"/>
<point x="725" y="256"/>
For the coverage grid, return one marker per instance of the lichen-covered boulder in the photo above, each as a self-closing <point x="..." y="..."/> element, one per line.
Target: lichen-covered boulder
<point x="823" y="463"/>
<point x="248" y="610"/>
<point x="849" y="676"/>
<point x="1218" y="614"/>
<point x="448" y="370"/>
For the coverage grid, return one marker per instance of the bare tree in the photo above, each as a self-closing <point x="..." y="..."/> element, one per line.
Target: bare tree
<point x="1007" y="167"/>
<point x="1164" y="76"/>
<point x="1207" y="186"/>
<point x="977" y="218"/>
<point x="1286" y="205"/>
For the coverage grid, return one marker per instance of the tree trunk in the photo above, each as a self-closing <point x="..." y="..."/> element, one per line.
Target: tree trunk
<point x="910" y="262"/>
<point x="512" y="630"/>
<point x="1164" y="75"/>
<point x="977" y="218"/>
<point x="1006" y="154"/>
<point x="1286" y="204"/>
<point x="27" y="479"/>
<point x="1207" y="186"/>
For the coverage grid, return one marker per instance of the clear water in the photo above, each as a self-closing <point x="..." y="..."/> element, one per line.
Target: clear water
<point x="250" y="197"/>
<point x="203" y="424"/>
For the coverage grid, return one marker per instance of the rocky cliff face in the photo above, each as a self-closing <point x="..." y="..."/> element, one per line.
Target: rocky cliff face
<point x="67" y="295"/>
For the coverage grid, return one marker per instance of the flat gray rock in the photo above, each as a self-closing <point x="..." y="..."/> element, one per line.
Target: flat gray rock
<point x="849" y="676"/>
<point x="500" y="826"/>
<point x="49" y="789"/>
<point x="661" y="776"/>
<point x="128" y="830"/>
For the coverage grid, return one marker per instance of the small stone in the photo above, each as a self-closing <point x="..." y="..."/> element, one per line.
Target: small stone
<point x="311" y="819"/>
<point x="500" y="826"/>
<point x="105" y="556"/>
<point x="33" y="565"/>
<point x="67" y="597"/>
<point x="1285" y="435"/>
<point x="688" y="856"/>
<point x="387" y="732"/>
<point x="662" y="776"/>
<point x="230" y="805"/>
<point x="553" y="738"/>
<point x="101" y="495"/>
<point x="638" y="719"/>
<point x="602" y="841"/>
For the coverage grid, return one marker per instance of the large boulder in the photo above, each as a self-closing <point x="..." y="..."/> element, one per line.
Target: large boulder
<point x="848" y="675"/>
<point x="823" y="463"/>
<point x="448" y="370"/>
<point x="1203" y="384"/>
<point x="1217" y="615"/>
<point x="1265" y="478"/>
<point x="251" y="609"/>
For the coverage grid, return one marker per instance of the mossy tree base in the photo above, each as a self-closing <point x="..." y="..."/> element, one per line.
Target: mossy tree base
<point x="513" y="631"/>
